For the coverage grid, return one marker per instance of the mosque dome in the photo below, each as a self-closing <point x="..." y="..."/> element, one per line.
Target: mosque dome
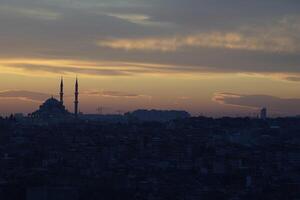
<point x="51" y="108"/>
<point x="51" y="103"/>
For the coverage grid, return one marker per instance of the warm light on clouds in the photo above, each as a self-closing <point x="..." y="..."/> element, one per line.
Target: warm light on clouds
<point x="225" y="97"/>
<point x="152" y="44"/>
<point x="57" y="67"/>
<point x="284" y="106"/>
<point x="92" y="68"/>
<point x="114" y="94"/>
<point x="277" y="37"/>
<point x="211" y="40"/>
<point x="139" y="19"/>
<point x="24" y="95"/>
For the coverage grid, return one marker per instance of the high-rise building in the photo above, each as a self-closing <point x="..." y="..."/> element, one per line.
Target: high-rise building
<point x="263" y="114"/>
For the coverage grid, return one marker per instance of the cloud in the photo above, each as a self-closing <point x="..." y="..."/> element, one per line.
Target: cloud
<point x="293" y="78"/>
<point x="115" y="94"/>
<point x="275" y="39"/>
<point x="139" y="19"/>
<point x="279" y="36"/>
<point x="24" y="95"/>
<point x="50" y="67"/>
<point x="63" y="67"/>
<point x="183" y="98"/>
<point x="91" y="68"/>
<point x="286" y="106"/>
<point x="34" y="13"/>
<point x="70" y="70"/>
<point x="206" y="35"/>
<point x="151" y="44"/>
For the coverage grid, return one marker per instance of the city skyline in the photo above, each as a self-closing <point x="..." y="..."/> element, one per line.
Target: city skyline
<point x="206" y="57"/>
<point x="231" y="98"/>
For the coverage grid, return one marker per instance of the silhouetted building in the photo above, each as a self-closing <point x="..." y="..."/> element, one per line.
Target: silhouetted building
<point x="52" y="108"/>
<point x="157" y="115"/>
<point x="55" y="109"/>
<point x="263" y="114"/>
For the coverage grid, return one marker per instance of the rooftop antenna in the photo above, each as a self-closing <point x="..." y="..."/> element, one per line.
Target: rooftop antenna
<point x="100" y="110"/>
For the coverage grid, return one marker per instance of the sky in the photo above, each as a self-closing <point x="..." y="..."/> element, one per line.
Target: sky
<point x="209" y="57"/>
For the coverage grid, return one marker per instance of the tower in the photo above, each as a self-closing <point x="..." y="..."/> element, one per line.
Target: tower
<point x="61" y="91"/>
<point x="263" y="114"/>
<point x="76" y="102"/>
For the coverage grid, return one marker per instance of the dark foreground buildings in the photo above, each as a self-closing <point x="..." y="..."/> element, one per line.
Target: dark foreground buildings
<point x="193" y="158"/>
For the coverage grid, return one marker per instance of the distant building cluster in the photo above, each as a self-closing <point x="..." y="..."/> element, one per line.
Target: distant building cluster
<point x="263" y="114"/>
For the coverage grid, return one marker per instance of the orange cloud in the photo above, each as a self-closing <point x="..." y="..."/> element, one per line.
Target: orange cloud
<point x="275" y="37"/>
<point x="24" y="95"/>
<point x="114" y="94"/>
<point x="230" y="40"/>
<point x="286" y="106"/>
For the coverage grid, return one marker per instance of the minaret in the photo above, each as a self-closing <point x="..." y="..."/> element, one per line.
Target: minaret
<point x="76" y="98"/>
<point x="61" y="91"/>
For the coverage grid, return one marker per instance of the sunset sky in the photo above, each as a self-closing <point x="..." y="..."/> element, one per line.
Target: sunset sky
<point x="209" y="57"/>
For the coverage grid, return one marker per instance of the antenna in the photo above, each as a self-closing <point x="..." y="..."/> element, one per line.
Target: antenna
<point x="100" y="110"/>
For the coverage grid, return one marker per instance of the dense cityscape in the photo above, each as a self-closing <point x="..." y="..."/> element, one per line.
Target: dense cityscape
<point x="192" y="158"/>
